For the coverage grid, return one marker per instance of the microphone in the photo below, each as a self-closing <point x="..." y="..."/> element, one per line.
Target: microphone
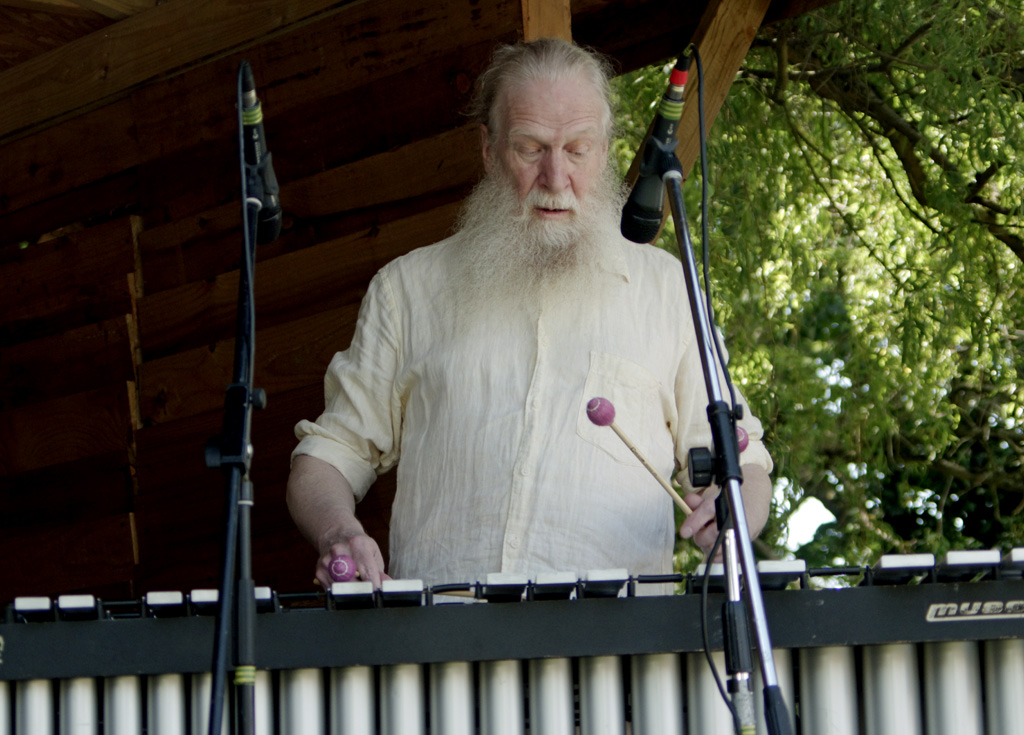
<point x="642" y="213"/>
<point x="264" y="188"/>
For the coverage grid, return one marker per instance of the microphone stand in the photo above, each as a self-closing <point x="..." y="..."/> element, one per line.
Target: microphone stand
<point x="729" y="506"/>
<point x="232" y="452"/>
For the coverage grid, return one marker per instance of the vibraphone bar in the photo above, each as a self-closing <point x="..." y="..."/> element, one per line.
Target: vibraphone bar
<point x="915" y="648"/>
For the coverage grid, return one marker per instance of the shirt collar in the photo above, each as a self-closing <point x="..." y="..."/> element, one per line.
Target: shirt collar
<point x="613" y="259"/>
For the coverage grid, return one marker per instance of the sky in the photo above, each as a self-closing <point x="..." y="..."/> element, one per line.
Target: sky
<point x="805" y="521"/>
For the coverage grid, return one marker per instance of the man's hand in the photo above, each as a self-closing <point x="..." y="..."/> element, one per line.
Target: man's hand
<point x="702" y="526"/>
<point x="364" y="552"/>
<point x="322" y="504"/>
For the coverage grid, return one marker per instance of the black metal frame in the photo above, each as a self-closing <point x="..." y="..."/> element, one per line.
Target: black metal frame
<point x="291" y="637"/>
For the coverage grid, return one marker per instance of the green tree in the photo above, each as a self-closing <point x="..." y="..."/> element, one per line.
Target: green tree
<point x="867" y="266"/>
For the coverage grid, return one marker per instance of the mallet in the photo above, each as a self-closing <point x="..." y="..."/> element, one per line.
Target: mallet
<point x="602" y="413"/>
<point x="342" y="568"/>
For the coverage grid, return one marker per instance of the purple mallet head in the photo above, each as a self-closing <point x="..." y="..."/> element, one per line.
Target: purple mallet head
<point x="601" y="411"/>
<point x="342" y="569"/>
<point x="742" y="438"/>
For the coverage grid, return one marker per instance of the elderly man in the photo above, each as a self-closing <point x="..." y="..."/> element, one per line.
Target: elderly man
<point x="473" y="361"/>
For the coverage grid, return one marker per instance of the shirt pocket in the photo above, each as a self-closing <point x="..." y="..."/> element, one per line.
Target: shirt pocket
<point x="636" y="395"/>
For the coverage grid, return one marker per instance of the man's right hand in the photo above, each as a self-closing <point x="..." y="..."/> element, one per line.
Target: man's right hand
<point x="364" y="552"/>
<point x="322" y="504"/>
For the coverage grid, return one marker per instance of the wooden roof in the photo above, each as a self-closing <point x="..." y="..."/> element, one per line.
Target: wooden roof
<point x="120" y="242"/>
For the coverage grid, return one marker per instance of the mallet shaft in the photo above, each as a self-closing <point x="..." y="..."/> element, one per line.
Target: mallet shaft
<point x="650" y="468"/>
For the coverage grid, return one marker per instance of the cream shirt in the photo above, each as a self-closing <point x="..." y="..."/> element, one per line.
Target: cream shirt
<point x="501" y="470"/>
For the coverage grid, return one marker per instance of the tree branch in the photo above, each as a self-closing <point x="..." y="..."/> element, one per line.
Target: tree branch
<point x="853" y="93"/>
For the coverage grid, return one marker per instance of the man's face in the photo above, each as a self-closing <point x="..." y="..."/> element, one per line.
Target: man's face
<point x="553" y="146"/>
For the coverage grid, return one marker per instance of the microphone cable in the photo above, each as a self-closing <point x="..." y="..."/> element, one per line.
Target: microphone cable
<point x="705" y="239"/>
<point x="706" y="269"/>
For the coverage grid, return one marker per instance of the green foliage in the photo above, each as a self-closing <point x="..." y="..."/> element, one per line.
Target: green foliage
<point x="867" y="263"/>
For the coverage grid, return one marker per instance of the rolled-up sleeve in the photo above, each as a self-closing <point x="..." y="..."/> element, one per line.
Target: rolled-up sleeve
<point x="358" y="432"/>
<point x="693" y="401"/>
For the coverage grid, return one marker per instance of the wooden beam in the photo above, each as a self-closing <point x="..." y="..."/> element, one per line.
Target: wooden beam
<point x="78" y="279"/>
<point x="93" y="355"/>
<point x="636" y="33"/>
<point x="96" y="555"/>
<point x="46" y="6"/>
<point x="56" y="162"/>
<point x="412" y="170"/>
<point x="29" y="32"/>
<point x="327" y="276"/>
<point x="72" y="492"/>
<point x="194" y="381"/>
<point x="723" y="39"/>
<point x="117" y="9"/>
<point x="109" y="63"/>
<point x="547" y="19"/>
<point x="144" y="150"/>
<point x="98" y="421"/>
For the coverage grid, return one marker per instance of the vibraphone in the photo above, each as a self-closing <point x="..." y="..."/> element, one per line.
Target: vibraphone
<point x="914" y="648"/>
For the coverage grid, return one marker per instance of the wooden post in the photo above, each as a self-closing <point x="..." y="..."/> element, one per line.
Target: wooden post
<point x="728" y="32"/>
<point x="723" y="38"/>
<point x="547" y="19"/>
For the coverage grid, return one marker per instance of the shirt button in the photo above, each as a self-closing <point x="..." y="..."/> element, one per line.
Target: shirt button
<point x="513" y="542"/>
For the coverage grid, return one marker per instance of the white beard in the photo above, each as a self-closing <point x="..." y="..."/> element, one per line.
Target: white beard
<point x="508" y="258"/>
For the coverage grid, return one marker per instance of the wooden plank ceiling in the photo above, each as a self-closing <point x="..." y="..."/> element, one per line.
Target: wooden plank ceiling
<point x="120" y="242"/>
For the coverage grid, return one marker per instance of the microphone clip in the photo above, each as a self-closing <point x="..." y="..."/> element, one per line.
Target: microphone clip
<point x="262" y="189"/>
<point x="660" y="159"/>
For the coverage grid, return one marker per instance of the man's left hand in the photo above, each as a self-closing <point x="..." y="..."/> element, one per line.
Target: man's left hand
<point x="702" y="526"/>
